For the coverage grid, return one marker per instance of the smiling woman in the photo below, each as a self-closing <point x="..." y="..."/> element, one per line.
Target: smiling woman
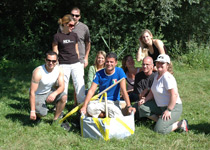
<point x="65" y="44"/>
<point x="154" y="46"/>
<point x="128" y="65"/>
<point x="163" y="103"/>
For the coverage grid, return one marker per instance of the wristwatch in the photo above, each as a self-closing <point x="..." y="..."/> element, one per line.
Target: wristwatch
<point x="169" y="109"/>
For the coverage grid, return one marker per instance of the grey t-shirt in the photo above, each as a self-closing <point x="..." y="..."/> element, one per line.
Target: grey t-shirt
<point x="84" y="36"/>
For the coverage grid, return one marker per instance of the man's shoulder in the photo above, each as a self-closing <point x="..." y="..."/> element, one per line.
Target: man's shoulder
<point x="82" y="25"/>
<point x="140" y="74"/>
<point x="38" y="70"/>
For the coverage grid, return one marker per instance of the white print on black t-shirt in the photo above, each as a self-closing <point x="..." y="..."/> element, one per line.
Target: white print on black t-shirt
<point x="67" y="41"/>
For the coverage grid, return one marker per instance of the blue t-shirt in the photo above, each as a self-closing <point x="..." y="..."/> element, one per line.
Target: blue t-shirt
<point x="104" y="81"/>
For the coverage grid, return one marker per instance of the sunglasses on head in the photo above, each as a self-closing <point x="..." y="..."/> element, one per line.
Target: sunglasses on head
<point x="53" y="61"/>
<point x="75" y="15"/>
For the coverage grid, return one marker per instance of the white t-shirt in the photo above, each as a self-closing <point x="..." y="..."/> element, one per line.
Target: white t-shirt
<point x="160" y="89"/>
<point x="48" y="79"/>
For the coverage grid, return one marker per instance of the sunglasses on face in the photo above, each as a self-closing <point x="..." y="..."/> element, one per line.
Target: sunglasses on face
<point x="53" y="61"/>
<point x="75" y="15"/>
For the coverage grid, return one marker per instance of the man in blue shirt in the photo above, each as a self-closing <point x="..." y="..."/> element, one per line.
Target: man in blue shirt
<point x="105" y="78"/>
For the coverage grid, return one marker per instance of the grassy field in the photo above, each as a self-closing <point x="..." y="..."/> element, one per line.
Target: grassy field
<point x="18" y="133"/>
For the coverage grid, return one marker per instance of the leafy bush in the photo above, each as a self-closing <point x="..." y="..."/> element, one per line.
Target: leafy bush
<point x="197" y="56"/>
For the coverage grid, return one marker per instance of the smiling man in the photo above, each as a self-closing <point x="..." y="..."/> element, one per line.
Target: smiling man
<point x="41" y="91"/>
<point x="105" y="78"/>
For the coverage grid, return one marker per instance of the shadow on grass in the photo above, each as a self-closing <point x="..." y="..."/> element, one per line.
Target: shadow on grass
<point x="145" y="122"/>
<point x="200" y="128"/>
<point x="17" y="117"/>
<point x="22" y="104"/>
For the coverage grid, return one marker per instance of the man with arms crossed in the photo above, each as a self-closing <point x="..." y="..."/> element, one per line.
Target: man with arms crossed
<point x="41" y="91"/>
<point x="105" y="78"/>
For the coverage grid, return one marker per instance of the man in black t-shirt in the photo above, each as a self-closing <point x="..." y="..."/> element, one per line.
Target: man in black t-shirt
<point x="143" y="81"/>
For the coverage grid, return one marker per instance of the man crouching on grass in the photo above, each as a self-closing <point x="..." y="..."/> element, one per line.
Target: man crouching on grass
<point x="41" y="91"/>
<point x="105" y="78"/>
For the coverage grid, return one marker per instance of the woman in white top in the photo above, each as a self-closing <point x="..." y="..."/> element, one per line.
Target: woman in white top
<point x="128" y="65"/>
<point x="163" y="104"/>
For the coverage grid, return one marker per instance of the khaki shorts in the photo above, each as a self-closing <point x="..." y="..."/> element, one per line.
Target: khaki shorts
<point x="95" y="108"/>
<point x="40" y="102"/>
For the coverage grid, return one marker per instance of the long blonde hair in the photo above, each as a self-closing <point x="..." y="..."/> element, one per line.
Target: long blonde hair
<point x="99" y="53"/>
<point x="141" y="38"/>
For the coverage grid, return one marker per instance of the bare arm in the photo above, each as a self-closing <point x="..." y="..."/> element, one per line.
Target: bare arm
<point x="139" y="52"/>
<point x="87" y="51"/>
<point x="172" y="103"/>
<point x="55" y="47"/>
<point x="36" y="77"/>
<point x="147" y="98"/>
<point x="126" y="97"/>
<point x="77" y="50"/>
<point x="90" y="94"/>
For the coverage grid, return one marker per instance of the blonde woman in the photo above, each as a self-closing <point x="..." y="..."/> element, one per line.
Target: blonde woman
<point x="98" y="65"/>
<point x="155" y="46"/>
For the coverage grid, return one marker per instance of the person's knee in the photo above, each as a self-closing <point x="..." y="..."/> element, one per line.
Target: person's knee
<point x="160" y="129"/>
<point x="42" y="113"/>
<point x="41" y="109"/>
<point x="64" y="99"/>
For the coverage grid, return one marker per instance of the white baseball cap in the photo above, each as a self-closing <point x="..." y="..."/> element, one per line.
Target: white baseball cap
<point x="163" y="58"/>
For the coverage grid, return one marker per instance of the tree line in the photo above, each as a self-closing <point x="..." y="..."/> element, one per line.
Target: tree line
<point x="27" y="27"/>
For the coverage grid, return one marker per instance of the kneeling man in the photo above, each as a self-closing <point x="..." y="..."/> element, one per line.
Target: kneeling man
<point x="41" y="91"/>
<point x="105" y="78"/>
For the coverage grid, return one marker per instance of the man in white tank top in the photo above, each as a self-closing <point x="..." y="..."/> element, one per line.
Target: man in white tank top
<point x="41" y="90"/>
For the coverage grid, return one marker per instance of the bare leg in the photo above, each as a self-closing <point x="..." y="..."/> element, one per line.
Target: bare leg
<point x="60" y="106"/>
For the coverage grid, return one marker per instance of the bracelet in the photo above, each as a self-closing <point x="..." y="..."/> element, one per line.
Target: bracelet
<point x="169" y="109"/>
<point x="33" y="111"/>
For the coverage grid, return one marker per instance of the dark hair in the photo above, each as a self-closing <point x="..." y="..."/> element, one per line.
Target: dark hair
<point x="52" y="53"/>
<point x="125" y="58"/>
<point x="112" y="55"/>
<point x="75" y="8"/>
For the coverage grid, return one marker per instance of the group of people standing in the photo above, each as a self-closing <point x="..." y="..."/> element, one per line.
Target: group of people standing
<point x="151" y="87"/>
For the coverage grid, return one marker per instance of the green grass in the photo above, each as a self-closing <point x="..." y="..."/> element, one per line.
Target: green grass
<point x="17" y="132"/>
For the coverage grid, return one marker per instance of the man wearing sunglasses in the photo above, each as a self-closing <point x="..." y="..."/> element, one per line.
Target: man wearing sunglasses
<point x="43" y="80"/>
<point x="83" y="33"/>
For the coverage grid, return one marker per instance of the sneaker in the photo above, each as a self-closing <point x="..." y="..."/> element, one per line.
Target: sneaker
<point x="185" y="127"/>
<point x="66" y="126"/>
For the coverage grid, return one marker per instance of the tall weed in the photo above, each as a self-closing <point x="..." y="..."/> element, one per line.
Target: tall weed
<point x="196" y="56"/>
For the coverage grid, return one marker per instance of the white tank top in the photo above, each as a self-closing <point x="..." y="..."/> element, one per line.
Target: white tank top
<point x="48" y="79"/>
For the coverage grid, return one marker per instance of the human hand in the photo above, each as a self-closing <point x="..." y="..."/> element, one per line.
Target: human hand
<point x="130" y="109"/>
<point x="32" y="115"/>
<point x="51" y="97"/>
<point x="166" y="115"/>
<point x="83" y="110"/>
<point x="141" y="101"/>
<point x="86" y="63"/>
